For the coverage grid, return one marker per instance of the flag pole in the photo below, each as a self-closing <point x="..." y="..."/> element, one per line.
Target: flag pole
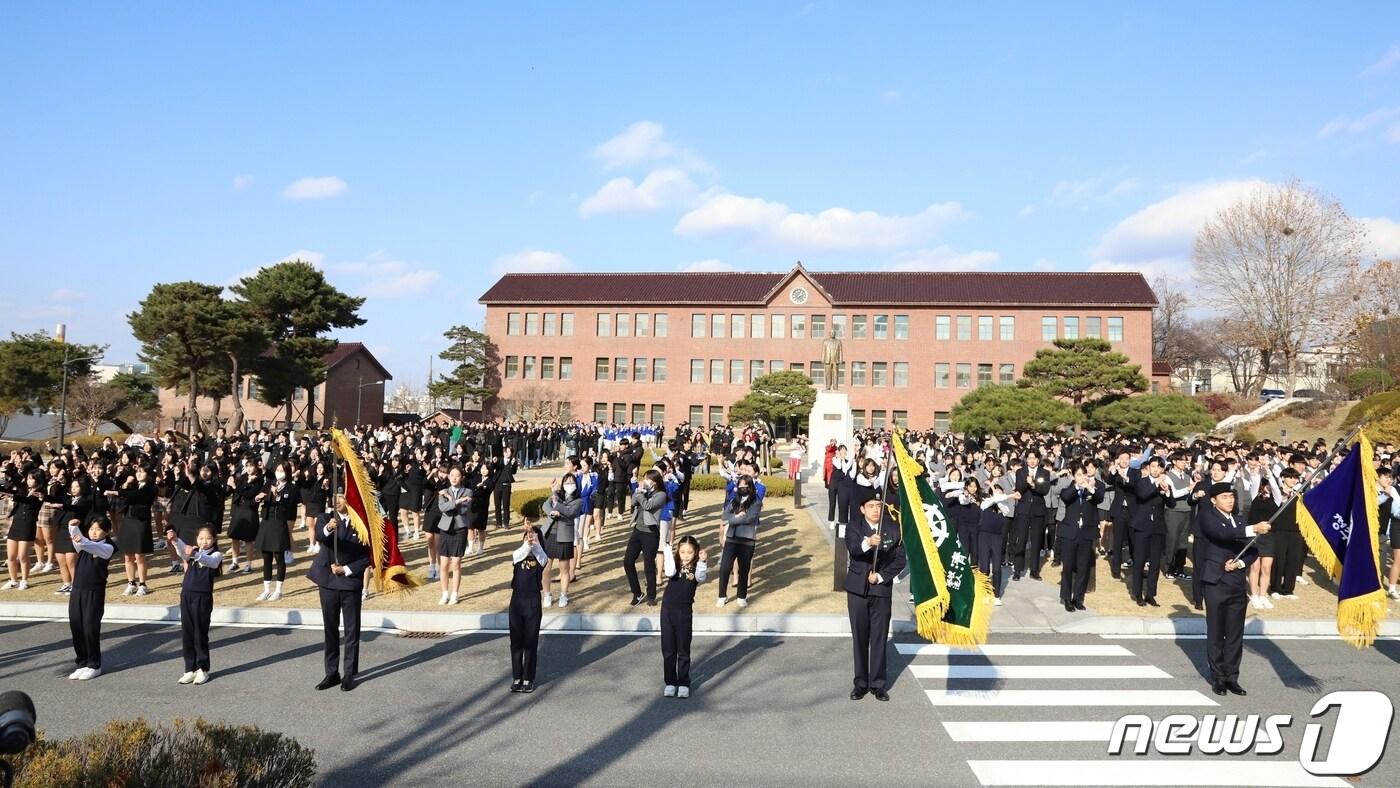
<point x="884" y="495"/>
<point x="335" y="513"/>
<point x="1298" y="493"/>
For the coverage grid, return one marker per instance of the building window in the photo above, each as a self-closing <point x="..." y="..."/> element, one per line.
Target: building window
<point x="624" y="324"/>
<point x="513" y="324"/>
<point x="940" y="421"/>
<point x="643" y="323"/>
<point x="717" y="370"/>
<point x="697" y="370"/>
<point x="1154" y="387"/>
<point x="716" y="415"/>
<point x="797" y="366"/>
<point x="1203" y="377"/>
<point x="738" y="326"/>
<point x="640" y="374"/>
<point x="512" y="370"/>
<point x="601" y="369"/>
<point x="1071" y="328"/>
<point x="964" y="328"/>
<point x="697" y="415"/>
<point x="620" y="371"/>
<point x="779" y="327"/>
<point x="1048" y="327"/>
<point x="818" y="373"/>
<point x="858" y="419"/>
<point x="858" y="326"/>
<point x="717" y="325"/>
<point x="818" y="326"/>
<point x="639" y="413"/>
<point x="1115" y="329"/>
<point x="757" y="323"/>
<point x="566" y="324"/>
<point x="879" y="373"/>
<point x="877" y="419"/>
<point x="964" y="376"/>
<point x="838" y="326"/>
<point x="1008" y="374"/>
<point x="600" y="411"/>
<point x="1093" y="327"/>
<point x="658" y="370"/>
<point x="984" y="328"/>
<point x="1008" y="328"/>
<point x="619" y="412"/>
<point x="547" y="368"/>
<point x="565" y="409"/>
<point x="532" y="323"/>
<point x="551" y="323"/>
<point x="942" y="325"/>
<point x="660" y="323"/>
<point x="799" y="326"/>
<point x="901" y="419"/>
<point x="736" y="371"/>
<point x="984" y="375"/>
<point x="776" y="365"/>
<point x="529" y="367"/>
<point x="901" y="326"/>
<point x="940" y="375"/>
<point x="901" y="374"/>
<point x="658" y="414"/>
<point x="566" y="368"/>
<point x="697" y="325"/>
<point x="882" y="326"/>
<point x="298" y="394"/>
<point x="857" y="373"/>
<point x="755" y="370"/>
<point x="604" y="324"/>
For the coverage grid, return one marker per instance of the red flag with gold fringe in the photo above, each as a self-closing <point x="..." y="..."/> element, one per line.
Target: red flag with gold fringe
<point x="362" y="504"/>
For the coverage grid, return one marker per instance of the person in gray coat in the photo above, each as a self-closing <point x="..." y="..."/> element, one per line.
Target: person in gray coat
<point x="739" y="537"/>
<point x="647" y="503"/>
<point x="560" y="513"/>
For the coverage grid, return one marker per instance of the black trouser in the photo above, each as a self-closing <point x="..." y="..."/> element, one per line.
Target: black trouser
<point x="280" y="558"/>
<point x="967" y="539"/>
<point x="1035" y="541"/>
<point x="524" y="636"/>
<point x="989" y="556"/>
<point x="836" y="504"/>
<point x="1197" y="541"/>
<point x="1178" y="528"/>
<point x="1289" y="552"/>
<point x="1077" y="558"/>
<point x="684" y="495"/>
<point x="1120" y="520"/>
<point x="85" y="621"/>
<point x="1225" y="602"/>
<point x="743" y="551"/>
<point x="341" y="607"/>
<point x="644" y="544"/>
<point x="675" y="645"/>
<point x="617" y="497"/>
<point x="1147" y="551"/>
<point x="195" y="612"/>
<point x="502" y="495"/>
<point x="870" y="628"/>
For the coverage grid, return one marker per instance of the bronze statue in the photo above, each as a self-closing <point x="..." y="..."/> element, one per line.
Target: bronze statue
<point x="831" y="361"/>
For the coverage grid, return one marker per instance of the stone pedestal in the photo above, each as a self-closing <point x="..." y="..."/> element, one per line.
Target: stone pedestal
<point x="831" y="418"/>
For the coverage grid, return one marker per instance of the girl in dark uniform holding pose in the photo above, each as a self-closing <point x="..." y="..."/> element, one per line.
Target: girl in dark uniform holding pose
<point x="685" y="568"/>
<point x="527" y="571"/>
<point x="89" y="595"/>
<point x="134" y="538"/>
<point x="243" y="523"/>
<point x="279" y="504"/>
<point x="197" y="601"/>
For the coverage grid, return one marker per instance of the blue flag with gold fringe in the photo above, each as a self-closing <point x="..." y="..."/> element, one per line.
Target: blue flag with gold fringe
<point x="1339" y="521"/>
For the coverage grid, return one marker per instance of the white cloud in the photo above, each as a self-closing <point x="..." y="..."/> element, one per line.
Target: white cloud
<point x="532" y="261"/>
<point x="316" y="259"/>
<point x="1171" y="268"/>
<point x="891" y="96"/>
<point x="1165" y="230"/>
<point x="1258" y="155"/>
<point x="834" y="229"/>
<point x="1385" y="118"/>
<point x="1070" y="193"/>
<point x="315" y="188"/>
<point x="241" y="182"/>
<point x="708" y="265"/>
<point x="1384" y="236"/>
<point x="659" y="189"/>
<point x="944" y="258"/>
<point x="378" y="277"/>
<point x="1389" y="60"/>
<point x="645" y="141"/>
<point x="65" y="295"/>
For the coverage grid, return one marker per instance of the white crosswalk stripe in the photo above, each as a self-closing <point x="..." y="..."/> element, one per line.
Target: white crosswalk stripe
<point x="988" y="692"/>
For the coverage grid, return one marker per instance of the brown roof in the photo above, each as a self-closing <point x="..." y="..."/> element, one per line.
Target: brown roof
<point x="345" y="350"/>
<point x="1161" y="368"/>
<point x="886" y="288"/>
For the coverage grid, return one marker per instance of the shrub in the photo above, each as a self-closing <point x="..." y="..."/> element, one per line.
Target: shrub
<point x="1311" y="410"/>
<point x="1156" y="415"/>
<point x="185" y="753"/>
<point x="1368" y="381"/>
<point x="529" y="502"/>
<point x="1221" y="405"/>
<point x="1246" y="436"/>
<point x="1372" y="409"/>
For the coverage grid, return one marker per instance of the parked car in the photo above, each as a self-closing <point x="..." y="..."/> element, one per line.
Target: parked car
<point x="1267" y="394"/>
<point x="1310" y="393"/>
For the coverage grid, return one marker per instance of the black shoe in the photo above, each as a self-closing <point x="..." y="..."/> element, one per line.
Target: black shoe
<point x="329" y="681"/>
<point x="1117" y="575"/>
<point x="1217" y="688"/>
<point x="515" y="685"/>
<point x="1235" y="688"/>
<point x="1199" y="606"/>
<point x="858" y="693"/>
<point x="1152" y="600"/>
<point x="880" y="695"/>
<point x="1140" y="602"/>
<point x="527" y="687"/>
<point x="1183" y="575"/>
<point x="1056" y="562"/>
<point x="651" y="601"/>
<point x="348" y="684"/>
<point x="1069" y="608"/>
<point x="1080" y="606"/>
<point x="636" y="600"/>
<point x="1035" y="576"/>
<point x="1016" y="576"/>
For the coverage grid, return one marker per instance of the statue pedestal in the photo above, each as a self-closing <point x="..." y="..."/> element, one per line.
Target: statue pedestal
<point x="830" y="418"/>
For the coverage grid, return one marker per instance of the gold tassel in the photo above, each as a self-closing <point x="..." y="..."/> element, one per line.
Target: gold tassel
<point x="975" y="633"/>
<point x="1359" y="618"/>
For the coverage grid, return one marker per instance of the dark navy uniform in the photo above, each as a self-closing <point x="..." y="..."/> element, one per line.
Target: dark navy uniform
<point x="1078" y="532"/>
<point x="1149" y="536"/>
<point x="868" y="604"/>
<point x="1226" y="593"/>
<point x="527" y="571"/>
<point x="340" y="594"/>
<point x="1028" y="526"/>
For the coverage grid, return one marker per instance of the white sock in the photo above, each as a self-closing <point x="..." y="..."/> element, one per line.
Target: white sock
<point x="267" y="586"/>
<point x="279" y="586"/>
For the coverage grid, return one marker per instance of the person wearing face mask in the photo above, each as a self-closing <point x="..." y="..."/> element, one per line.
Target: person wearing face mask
<point x="647" y="503"/>
<point x="243" y="522"/>
<point x="279" y="504"/>
<point x="455" y="504"/>
<point x="561" y="513"/>
<point x="739" y="537"/>
<point x="134" y="537"/>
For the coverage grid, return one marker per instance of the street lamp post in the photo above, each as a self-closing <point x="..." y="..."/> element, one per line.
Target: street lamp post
<point x="359" y="390"/>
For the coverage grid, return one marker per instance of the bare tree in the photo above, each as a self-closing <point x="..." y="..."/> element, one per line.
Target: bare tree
<point x="91" y="403"/>
<point x="538" y="402"/>
<point x="1282" y="260"/>
<point x="1173" y="339"/>
<point x="408" y="399"/>
<point x="1236" y="345"/>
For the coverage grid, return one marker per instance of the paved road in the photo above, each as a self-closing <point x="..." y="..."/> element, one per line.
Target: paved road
<point x="767" y="710"/>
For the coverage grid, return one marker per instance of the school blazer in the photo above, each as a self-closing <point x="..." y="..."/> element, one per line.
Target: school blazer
<point x="561" y="528"/>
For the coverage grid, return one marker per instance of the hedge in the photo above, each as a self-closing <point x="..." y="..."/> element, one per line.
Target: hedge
<point x="1372" y="409"/>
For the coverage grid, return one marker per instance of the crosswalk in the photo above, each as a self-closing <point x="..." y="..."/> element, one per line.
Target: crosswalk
<point x="1061" y="700"/>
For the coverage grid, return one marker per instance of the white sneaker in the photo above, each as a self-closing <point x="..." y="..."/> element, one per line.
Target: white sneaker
<point x="1276" y="595"/>
<point x="11" y="585"/>
<point x="1263" y="600"/>
<point x="1290" y="596"/>
<point x="142" y="590"/>
<point x="720" y="602"/>
<point x="364" y="594"/>
<point x="682" y="692"/>
<point x="23" y="585"/>
<point x="669" y="692"/>
<point x="1254" y="602"/>
<point x="442" y="600"/>
<point x="89" y="673"/>
<point x="38" y="569"/>
<point x="274" y="596"/>
<point x="188" y="678"/>
<point x="200" y="677"/>
<point x="452" y="600"/>
<point x="1302" y="581"/>
<point x="77" y="673"/>
<point x="234" y="568"/>
<point x="267" y="592"/>
<point x="563" y="600"/>
<point x="546" y="601"/>
<point x="130" y="589"/>
<point x="743" y="602"/>
<point x="1394" y="592"/>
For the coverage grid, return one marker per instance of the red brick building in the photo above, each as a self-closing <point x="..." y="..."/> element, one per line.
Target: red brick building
<point x="352" y="393"/>
<point x="673" y="347"/>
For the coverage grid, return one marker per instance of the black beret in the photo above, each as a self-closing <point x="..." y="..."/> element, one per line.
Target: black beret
<point x="1220" y="488"/>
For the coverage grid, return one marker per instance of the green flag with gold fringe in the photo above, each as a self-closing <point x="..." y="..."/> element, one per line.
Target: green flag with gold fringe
<point x="952" y="600"/>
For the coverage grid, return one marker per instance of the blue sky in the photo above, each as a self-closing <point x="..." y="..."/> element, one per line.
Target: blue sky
<point x="416" y="152"/>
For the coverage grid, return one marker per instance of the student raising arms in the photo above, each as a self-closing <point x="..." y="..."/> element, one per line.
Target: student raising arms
<point x="685" y="568"/>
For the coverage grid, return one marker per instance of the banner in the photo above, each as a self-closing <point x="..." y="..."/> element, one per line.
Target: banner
<point x="366" y="517"/>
